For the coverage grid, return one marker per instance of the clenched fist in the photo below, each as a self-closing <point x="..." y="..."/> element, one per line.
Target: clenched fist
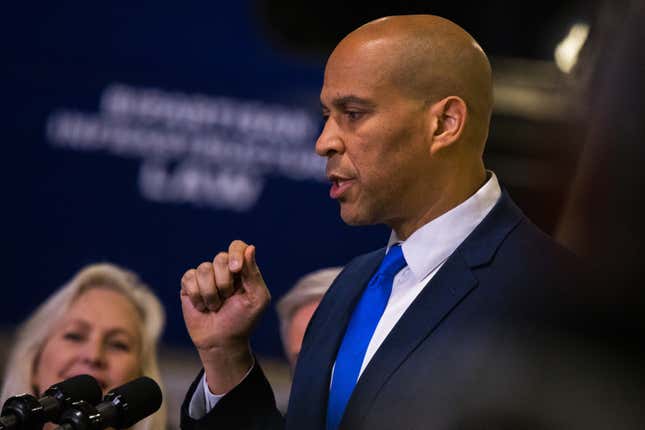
<point x="221" y="302"/>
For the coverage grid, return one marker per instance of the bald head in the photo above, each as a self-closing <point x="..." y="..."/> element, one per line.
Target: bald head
<point x="407" y="102"/>
<point x="429" y="58"/>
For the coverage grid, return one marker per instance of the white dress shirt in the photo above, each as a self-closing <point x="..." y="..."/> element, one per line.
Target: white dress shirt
<point x="425" y="251"/>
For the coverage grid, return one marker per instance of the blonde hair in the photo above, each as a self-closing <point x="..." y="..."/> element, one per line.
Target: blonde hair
<point x="34" y="332"/>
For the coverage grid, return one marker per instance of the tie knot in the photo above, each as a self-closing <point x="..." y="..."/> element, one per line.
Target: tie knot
<point x="393" y="261"/>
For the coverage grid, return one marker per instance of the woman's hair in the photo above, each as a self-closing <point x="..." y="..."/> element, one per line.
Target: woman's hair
<point x="310" y="288"/>
<point x="33" y="334"/>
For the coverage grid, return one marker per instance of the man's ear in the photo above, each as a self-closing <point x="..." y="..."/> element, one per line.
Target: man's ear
<point x="448" y="120"/>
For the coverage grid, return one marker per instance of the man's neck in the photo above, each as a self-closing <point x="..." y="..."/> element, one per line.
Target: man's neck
<point x="404" y="227"/>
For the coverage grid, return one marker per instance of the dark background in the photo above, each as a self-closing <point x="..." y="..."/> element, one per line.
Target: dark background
<point x="64" y="209"/>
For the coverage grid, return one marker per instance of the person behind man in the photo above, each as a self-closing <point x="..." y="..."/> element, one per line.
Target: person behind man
<point x="104" y="322"/>
<point x="407" y="102"/>
<point x="296" y="308"/>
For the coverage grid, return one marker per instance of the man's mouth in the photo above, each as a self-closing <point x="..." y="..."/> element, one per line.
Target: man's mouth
<point x="339" y="185"/>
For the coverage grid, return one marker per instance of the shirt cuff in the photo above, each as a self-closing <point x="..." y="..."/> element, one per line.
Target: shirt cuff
<point x="203" y="401"/>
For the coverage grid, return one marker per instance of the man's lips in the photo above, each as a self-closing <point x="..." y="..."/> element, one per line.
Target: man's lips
<point x="339" y="185"/>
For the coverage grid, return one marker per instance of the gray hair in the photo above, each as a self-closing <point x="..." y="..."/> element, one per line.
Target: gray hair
<point x="307" y="289"/>
<point x="33" y="334"/>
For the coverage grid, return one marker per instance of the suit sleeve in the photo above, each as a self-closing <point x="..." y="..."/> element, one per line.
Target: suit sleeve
<point x="248" y="406"/>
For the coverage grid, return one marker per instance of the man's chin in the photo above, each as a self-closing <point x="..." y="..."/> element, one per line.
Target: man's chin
<point x="352" y="217"/>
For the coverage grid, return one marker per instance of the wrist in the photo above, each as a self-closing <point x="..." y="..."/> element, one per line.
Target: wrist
<point x="226" y="367"/>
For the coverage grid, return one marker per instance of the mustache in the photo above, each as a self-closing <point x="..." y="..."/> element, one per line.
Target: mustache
<point x="334" y="170"/>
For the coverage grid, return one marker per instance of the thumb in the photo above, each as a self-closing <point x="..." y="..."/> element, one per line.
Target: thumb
<point x="251" y="276"/>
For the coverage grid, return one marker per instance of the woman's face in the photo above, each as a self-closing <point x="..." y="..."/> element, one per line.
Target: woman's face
<point x="99" y="336"/>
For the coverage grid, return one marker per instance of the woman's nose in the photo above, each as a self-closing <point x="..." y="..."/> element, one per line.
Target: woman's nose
<point x="94" y="353"/>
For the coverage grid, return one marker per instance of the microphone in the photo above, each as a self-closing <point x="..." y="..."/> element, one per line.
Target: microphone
<point x="25" y="412"/>
<point x="121" y="408"/>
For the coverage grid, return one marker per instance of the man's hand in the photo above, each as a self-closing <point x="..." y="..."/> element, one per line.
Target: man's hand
<point x="222" y="301"/>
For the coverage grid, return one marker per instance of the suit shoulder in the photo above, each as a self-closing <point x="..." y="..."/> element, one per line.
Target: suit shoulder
<point x="529" y="240"/>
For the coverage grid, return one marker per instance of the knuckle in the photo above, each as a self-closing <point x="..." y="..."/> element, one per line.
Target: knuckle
<point x="188" y="277"/>
<point x="204" y="268"/>
<point x="221" y="259"/>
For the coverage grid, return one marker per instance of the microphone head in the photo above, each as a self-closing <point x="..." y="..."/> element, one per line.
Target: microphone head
<point x="33" y="413"/>
<point x="80" y="387"/>
<point x="135" y="400"/>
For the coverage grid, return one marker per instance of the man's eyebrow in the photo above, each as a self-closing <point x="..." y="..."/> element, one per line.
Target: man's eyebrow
<point x="342" y="102"/>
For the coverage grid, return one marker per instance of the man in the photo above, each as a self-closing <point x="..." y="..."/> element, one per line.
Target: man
<point x="407" y="102"/>
<point x="296" y="308"/>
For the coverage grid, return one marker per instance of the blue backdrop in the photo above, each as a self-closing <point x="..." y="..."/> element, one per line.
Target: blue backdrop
<point x="75" y="187"/>
<point x="151" y="134"/>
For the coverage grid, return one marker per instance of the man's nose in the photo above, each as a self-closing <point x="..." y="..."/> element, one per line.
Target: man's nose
<point x="330" y="141"/>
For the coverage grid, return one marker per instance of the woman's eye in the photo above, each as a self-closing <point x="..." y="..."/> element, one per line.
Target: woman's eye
<point x="73" y="336"/>
<point x="119" y="345"/>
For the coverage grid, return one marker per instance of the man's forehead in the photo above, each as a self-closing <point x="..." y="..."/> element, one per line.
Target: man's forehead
<point x="359" y="70"/>
<point x="353" y="86"/>
<point x="356" y="55"/>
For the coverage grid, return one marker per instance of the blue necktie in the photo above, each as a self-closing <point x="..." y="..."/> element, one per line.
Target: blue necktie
<point x="359" y="332"/>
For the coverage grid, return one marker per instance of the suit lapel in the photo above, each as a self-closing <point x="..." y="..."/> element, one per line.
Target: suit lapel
<point x="449" y="286"/>
<point x="441" y="295"/>
<point x="310" y="391"/>
<point x="453" y="282"/>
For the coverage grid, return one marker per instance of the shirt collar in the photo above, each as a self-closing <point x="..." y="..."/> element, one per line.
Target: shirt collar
<point x="432" y="244"/>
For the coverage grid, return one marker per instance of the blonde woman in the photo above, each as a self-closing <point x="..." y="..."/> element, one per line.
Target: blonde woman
<point x="104" y="322"/>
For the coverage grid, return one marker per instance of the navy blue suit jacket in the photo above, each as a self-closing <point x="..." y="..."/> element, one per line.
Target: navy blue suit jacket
<point x="503" y="283"/>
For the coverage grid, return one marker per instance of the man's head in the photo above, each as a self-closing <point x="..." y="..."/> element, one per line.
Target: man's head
<point x="298" y="305"/>
<point x="407" y="101"/>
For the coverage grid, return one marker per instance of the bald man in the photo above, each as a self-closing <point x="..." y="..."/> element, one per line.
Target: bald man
<point x="407" y="102"/>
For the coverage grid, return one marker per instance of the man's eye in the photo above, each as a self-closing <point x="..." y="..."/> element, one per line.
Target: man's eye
<point x="354" y="115"/>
